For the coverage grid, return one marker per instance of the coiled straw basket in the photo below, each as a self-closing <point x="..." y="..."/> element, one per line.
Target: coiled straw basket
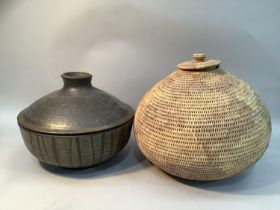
<point x="202" y="123"/>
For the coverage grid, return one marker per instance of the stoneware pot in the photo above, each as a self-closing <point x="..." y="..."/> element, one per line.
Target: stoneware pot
<point x="77" y="126"/>
<point x="202" y="123"/>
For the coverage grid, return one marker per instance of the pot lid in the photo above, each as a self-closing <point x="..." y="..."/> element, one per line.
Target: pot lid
<point x="76" y="108"/>
<point x="199" y="63"/>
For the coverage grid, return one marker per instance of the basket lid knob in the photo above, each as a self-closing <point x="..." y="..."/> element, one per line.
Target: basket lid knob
<point x="199" y="57"/>
<point x="198" y="63"/>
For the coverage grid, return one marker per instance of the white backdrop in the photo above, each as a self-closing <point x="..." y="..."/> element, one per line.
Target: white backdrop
<point x="128" y="46"/>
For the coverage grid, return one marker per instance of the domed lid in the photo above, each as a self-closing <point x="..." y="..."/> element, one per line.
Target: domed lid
<point x="76" y="108"/>
<point x="199" y="63"/>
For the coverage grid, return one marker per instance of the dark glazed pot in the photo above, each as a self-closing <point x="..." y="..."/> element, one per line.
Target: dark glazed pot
<point x="77" y="126"/>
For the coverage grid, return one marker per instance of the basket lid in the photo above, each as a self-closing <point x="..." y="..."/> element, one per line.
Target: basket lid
<point x="75" y="109"/>
<point x="199" y="63"/>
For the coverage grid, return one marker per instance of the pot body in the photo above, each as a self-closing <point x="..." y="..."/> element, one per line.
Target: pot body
<point x="202" y="124"/>
<point x="77" y="126"/>
<point x="77" y="151"/>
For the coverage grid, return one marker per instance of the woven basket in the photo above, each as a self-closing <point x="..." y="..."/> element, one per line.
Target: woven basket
<point x="202" y="123"/>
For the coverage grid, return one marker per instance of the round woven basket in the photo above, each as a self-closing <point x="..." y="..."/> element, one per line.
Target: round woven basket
<point x="202" y="123"/>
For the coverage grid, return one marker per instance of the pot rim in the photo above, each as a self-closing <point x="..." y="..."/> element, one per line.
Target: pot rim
<point x="75" y="133"/>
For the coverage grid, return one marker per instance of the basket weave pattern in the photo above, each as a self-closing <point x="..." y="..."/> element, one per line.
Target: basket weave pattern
<point x="202" y="125"/>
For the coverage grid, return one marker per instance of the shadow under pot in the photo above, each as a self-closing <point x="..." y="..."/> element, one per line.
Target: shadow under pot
<point x="77" y="126"/>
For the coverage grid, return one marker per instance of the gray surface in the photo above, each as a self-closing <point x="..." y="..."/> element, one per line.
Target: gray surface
<point x="128" y="46"/>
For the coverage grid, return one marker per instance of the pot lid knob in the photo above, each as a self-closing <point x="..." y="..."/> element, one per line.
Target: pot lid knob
<point x="199" y="63"/>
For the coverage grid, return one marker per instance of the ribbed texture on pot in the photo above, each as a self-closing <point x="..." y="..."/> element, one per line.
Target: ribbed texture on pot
<point x="77" y="151"/>
<point x="202" y="125"/>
